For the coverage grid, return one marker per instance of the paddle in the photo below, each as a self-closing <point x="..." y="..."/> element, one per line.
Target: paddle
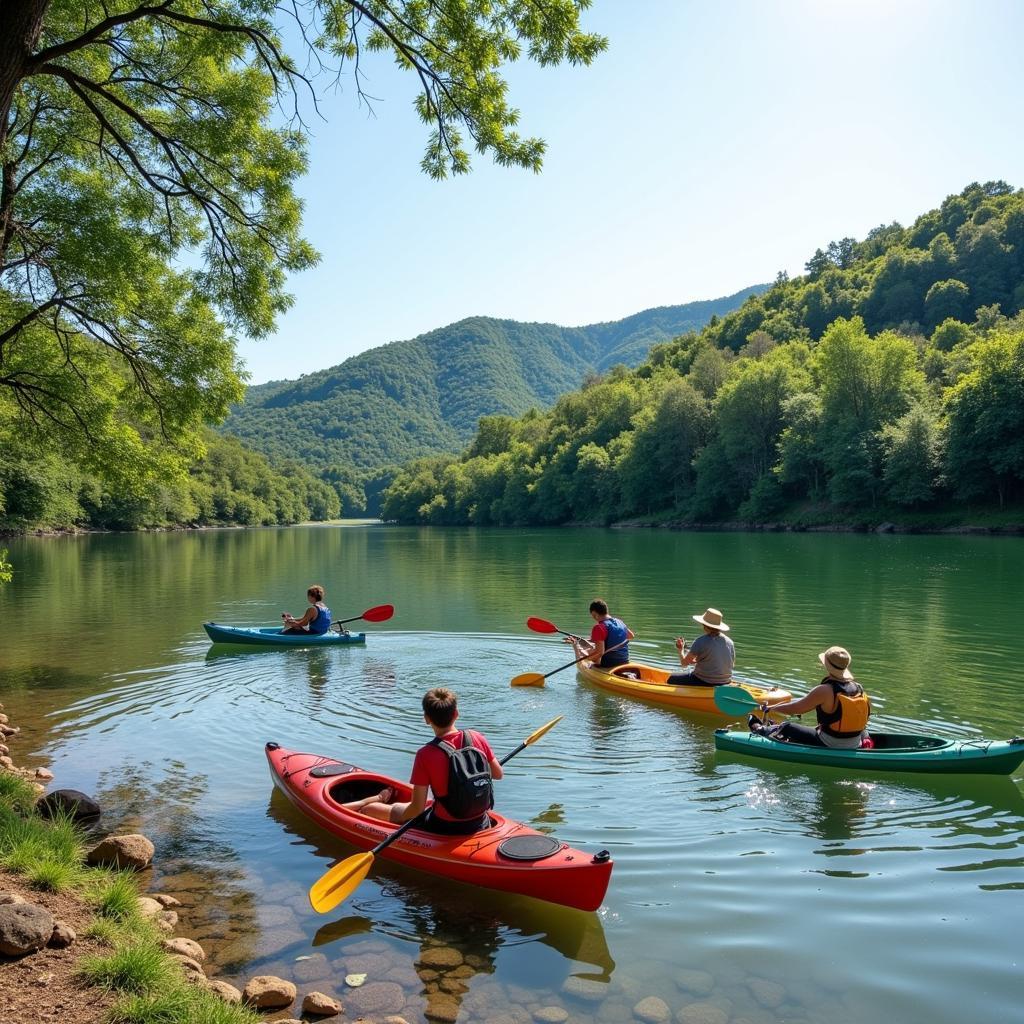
<point x="543" y="626"/>
<point x="734" y="700"/>
<point x="337" y="884"/>
<point x="536" y="679"/>
<point x="381" y="613"/>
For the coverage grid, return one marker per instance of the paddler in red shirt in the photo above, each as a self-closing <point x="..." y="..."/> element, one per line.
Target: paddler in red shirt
<point x="462" y="757"/>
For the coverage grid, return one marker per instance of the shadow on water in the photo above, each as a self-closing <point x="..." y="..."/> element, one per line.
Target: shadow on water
<point x="413" y="906"/>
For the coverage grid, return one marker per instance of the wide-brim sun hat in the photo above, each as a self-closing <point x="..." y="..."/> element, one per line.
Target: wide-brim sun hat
<point x="713" y="619"/>
<point x="836" y="662"/>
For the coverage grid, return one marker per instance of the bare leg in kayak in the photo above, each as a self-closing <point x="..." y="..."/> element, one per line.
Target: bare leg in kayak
<point x="377" y="806"/>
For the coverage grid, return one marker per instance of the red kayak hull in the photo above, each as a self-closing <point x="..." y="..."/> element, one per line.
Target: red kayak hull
<point x="568" y="877"/>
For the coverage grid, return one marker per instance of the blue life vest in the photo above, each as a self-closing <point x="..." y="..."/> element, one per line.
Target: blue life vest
<point x="322" y="622"/>
<point x="617" y="633"/>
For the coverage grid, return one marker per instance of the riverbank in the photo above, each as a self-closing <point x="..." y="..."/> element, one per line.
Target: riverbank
<point x="79" y="944"/>
<point x="823" y="518"/>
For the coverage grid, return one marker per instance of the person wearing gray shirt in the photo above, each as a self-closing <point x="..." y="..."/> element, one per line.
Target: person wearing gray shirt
<point x="712" y="655"/>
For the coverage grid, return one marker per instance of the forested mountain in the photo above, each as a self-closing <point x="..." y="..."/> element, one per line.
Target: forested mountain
<point x="411" y="398"/>
<point x="886" y="382"/>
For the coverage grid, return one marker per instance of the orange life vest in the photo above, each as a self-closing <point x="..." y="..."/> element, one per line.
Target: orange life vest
<point x="853" y="708"/>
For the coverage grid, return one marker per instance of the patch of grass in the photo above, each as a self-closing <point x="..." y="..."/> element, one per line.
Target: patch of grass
<point x="140" y="968"/>
<point x="118" y="898"/>
<point x="180" y="1005"/>
<point x="53" y="875"/>
<point x="28" y="841"/>
<point x="16" y="793"/>
<point x="110" y="933"/>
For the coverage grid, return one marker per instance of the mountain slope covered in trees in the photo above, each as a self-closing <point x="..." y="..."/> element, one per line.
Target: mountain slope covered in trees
<point x="426" y="395"/>
<point x="887" y="381"/>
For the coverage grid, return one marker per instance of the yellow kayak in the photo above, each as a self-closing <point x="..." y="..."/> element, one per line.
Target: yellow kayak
<point x="649" y="683"/>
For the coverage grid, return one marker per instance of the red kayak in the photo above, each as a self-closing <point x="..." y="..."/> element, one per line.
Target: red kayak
<point x="509" y="856"/>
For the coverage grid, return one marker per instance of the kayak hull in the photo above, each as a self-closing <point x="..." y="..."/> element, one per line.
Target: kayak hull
<point x="652" y="686"/>
<point x="893" y="753"/>
<point x="569" y="877"/>
<point x="263" y="636"/>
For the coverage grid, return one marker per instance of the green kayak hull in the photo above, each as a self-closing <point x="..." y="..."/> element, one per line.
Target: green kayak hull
<point x="257" y="636"/>
<point x="893" y="752"/>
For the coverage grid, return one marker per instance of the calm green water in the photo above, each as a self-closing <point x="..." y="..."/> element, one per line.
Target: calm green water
<point x="741" y="892"/>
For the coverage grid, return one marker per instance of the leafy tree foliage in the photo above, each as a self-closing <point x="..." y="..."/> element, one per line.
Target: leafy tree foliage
<point x="822" y="389"/>
<point x="148" y="212"/>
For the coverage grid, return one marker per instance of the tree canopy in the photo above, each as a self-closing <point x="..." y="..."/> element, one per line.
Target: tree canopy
<point x="832" y="396"/>
<point x="150" y="150"/>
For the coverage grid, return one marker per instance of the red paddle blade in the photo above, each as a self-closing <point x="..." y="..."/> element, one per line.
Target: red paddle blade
<point x="541" y="625"/>
<point x="381" y="613"/>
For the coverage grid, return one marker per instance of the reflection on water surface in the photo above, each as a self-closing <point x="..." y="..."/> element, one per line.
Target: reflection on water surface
<point x="742" y="891"/>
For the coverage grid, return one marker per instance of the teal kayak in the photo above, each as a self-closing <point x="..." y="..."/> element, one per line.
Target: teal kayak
<point x="271" y="636"/>
<point x="893" y="752"/>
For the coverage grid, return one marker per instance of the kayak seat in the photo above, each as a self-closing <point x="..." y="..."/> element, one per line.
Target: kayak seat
<point x="358" y="789"/>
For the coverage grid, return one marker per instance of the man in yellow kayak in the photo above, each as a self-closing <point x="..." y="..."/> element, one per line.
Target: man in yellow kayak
<point x="839" y="702"/>
<point x="609" y="639"/>
<point x="712" y="655"/>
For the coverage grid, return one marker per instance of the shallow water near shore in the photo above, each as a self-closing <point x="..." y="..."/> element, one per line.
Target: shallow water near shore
<point x="742" y="891"/>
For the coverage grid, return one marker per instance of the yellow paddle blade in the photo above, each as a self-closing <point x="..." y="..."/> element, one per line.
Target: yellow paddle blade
<point x="528" y="679"/>
<point x="337" y="884"/>
<point x="534" y="736"/>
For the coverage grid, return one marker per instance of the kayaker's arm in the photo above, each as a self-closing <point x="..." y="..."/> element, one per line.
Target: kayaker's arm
<point x="293" y="622"/>
<point x="685" y="657"/>
<point x="404" y="812"/>
<point x="818" y="696"/>
<point x="496" y="770"/>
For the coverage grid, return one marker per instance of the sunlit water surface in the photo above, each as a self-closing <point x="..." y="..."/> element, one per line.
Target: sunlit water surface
<point x="741" y="892"/>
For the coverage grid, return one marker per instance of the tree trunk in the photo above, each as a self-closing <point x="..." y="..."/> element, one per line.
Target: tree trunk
<point x="21" y="24"/>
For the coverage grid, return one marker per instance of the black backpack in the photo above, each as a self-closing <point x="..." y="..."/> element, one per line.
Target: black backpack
<point x="470" y="788"/>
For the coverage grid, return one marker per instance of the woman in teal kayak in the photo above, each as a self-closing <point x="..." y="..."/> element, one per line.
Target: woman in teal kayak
<point x="317" y="619"/>
<point x="839" y="703"/>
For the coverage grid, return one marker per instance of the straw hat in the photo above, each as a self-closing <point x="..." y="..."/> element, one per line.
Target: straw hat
<point x="713" y="618"/>
<point x="836" y="661"/>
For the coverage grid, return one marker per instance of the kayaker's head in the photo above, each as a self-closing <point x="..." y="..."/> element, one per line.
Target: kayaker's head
<point x="712" y="622"/>
<point x="836" y="661"/>
<point x="315" y="593"/>
<point x="440" y="708"/>
<point x="598" y="609"/>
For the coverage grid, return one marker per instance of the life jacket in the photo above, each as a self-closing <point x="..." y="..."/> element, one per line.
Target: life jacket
<point x="853" y="708"/>
<point x="470" y="787"/>
<point x="617" y="634"/>
<point x="322" y="622"/>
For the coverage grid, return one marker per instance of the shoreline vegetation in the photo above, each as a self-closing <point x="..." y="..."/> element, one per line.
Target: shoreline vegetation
<point x="884" y="386"/>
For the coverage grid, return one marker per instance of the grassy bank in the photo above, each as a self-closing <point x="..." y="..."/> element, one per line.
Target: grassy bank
<point x="148" y="984"/>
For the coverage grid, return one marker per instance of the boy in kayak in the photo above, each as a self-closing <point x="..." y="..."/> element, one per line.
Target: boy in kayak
<point x="712" y="655"/>
<point x="839" y="702"/>
<point x="609" y="639"/>
<point x="456" y="766"/>
<point x="317" y="618"/>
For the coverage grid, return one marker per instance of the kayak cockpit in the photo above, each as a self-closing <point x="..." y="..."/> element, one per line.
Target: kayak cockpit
<point x="885" y="743"/>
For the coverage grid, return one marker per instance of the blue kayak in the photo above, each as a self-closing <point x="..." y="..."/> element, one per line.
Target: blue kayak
<point x="271" y="636"/>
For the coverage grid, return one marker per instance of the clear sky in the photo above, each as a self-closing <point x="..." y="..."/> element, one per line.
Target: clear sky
<point x="712" y="145"/>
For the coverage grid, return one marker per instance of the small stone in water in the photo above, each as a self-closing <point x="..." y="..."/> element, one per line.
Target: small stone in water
<point x="354" y="980"/>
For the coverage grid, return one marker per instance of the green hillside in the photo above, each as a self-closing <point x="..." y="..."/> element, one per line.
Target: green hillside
<point x="887" y="384"/>
<point x="425" y="396"/>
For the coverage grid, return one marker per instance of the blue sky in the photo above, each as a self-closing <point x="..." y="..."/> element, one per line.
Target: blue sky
<point x="713" y="145"/>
